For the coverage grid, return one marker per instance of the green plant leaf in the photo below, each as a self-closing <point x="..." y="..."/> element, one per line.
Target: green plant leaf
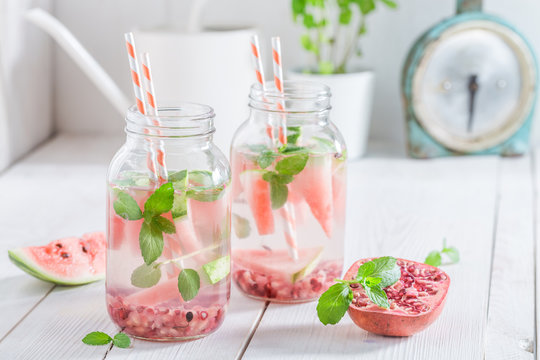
<point x="218" y="269"/>
<point x="290" y="149"/>
<point x="97" y="338"/>
<point x="384" y="268"/>
<point x="326" y="67"/>
<point x="145" y="276"/>
<point x="372" y="281"/>
<point x="309" y="21"/>
<point x="434" y="258"/>
<point x="298" y="7"/>
<point x="150" y="242"/>
<point x="272" y="176"/>
<point x="377" y="295"/>
<point x="189" y="283"/>
<point x="306" y="42"/>
<point x="389" y="3"/>
<point x="179" y="208"/>
<point x="126" y="207"/>
<point x="345" y="16"/>
<point x="121" y="340"/>
<point x="161" y="201"/>
<point x="278" y="194"/>
<point x="333" y="303"/>
<point x="163" y="224"/>
<point x="292" y="165"/>
<point x="366" y="6"/>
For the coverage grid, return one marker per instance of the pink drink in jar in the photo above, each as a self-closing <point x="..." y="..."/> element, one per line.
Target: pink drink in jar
<point x="168" y="260"/>
<point x="288" y="200"/>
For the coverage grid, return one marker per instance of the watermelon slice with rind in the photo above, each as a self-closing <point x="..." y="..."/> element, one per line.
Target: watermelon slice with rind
<point x="314" y="182"/>
<point x="278" y="263"/>
<point x="257" y="192"/>
<point x="68" y="261"/>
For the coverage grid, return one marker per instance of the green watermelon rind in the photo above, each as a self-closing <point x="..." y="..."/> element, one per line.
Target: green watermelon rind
<point x="19" y="258"/>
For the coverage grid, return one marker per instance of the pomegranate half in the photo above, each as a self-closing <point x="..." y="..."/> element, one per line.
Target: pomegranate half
<point x="416" y="300"/>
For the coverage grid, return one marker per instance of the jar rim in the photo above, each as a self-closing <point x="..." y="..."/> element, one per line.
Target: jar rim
<point x="182" y="118"/>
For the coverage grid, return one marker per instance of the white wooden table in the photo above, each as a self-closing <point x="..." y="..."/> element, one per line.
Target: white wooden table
<point x="486" y="206"/>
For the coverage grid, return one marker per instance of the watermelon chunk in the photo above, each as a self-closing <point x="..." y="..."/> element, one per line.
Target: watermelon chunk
<point x="160" y="293"/>
<point x="315" y="185"/>
<point x="278" y="263"/>
<point x="257" y="193"/>
<point x="68" y="261"/>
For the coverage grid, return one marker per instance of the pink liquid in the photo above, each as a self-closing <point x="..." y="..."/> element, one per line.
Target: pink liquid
<point x="313" y="218"/>
<point x="159" y="312"/>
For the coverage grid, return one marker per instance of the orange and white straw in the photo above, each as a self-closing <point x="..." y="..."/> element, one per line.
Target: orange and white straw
<point x="259" y="74"/>
<point x="278" y="81"/>
<point x="151" y="109"/>
<point x="139" y="98"/>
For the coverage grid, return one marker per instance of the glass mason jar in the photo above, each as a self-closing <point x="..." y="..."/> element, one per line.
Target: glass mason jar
<point x="168" y="256"/>
<point x="288" y="200"/>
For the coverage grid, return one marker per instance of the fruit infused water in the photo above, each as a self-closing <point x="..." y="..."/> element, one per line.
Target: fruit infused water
<point x="168" y="257"/>
<point x="182" y="291"/>
<point x="288" y="200"/>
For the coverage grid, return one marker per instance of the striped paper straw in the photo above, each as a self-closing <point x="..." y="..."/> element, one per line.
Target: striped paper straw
<point x="259" y="74"/>
<point x="278" y="81"/>
<point x="151" y="109"/>
<point x="137" y="90"/>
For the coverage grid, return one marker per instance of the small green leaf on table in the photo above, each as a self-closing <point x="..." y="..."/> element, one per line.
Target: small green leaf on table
<point x="97" y="338"/>
<point x="121" y="340"/>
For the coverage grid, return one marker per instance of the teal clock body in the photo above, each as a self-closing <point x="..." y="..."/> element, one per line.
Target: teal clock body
<point x="469" y="87"/>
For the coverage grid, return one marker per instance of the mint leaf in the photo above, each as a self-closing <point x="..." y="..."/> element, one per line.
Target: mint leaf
<point x="188" y="284"/>
<point x="161" y="201"/>
<point x="278" y="194"/>
<point x="333" y="303"/>
<point x="434" y="258"/>
<point x="97" y="338"/>
<point x="365" y="270"/>
<point x="241" y="226"/>
<point x="372" y="281"/>
<point x="121" y="340"/>
<point x="292" y="165"/>
<point x="377" y="295"/>
<point x="452" y="253"/>
<point x="271" y="176"/>
<point x="150" y="242"/>
<point x="293" y="149"/>
<point x="126" y="207"/>
<point x="163" y="224"/>
<point x="293" y="133"/>
<point x="266" y="158"/>
<point x="218" y="269"/>
<point x="386" y="269"/>
<point x="145" y="276"/>
<point x="179" y="208"/>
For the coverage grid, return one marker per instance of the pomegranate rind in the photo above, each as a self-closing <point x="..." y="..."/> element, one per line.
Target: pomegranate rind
<point x="398" y="322"/>
<point x="81" y="267"/>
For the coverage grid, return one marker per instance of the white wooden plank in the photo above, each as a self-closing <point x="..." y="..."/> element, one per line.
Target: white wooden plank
<point x="404" y="208"/>
<point x="54" y="329"/>
<point x="226" y="343"/>
<point x="511" y="327"/>
<point x="57" y="191"/>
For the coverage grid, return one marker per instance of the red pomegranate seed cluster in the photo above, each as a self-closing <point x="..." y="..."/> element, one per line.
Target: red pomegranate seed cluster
<point x="164" y="322"/>
<point x="406" y="294"/>
<point x="266" y="286"/>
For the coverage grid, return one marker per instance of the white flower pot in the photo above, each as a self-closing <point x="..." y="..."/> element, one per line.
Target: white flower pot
<point x="352" y="100"/>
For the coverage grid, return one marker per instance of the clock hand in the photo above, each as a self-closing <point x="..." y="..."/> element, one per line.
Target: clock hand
<point x="473" y="88"/>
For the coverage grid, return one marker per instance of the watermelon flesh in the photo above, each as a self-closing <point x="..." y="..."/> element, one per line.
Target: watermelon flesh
<point x="257" y="192"/>
<point x="277" y="263"/>
<point x="314" y="183"/>
<point x="68" y="261"/>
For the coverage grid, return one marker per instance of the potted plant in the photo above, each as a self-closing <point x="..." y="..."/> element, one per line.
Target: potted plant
<point x="333" y="29"/>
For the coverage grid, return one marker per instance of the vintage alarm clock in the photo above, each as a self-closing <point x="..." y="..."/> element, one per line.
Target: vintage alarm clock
<point x="469" y="87"/>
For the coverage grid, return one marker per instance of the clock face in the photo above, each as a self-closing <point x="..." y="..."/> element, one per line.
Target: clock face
<point x="474" y="86"/>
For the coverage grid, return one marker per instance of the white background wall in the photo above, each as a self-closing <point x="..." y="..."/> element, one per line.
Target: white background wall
<point x="99" y="24"/>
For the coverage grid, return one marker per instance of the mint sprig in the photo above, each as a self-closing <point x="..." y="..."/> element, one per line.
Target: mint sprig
<point x="435" y="257"/>
<point x="373" y="276"/>
<point x="120" y="340"/>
